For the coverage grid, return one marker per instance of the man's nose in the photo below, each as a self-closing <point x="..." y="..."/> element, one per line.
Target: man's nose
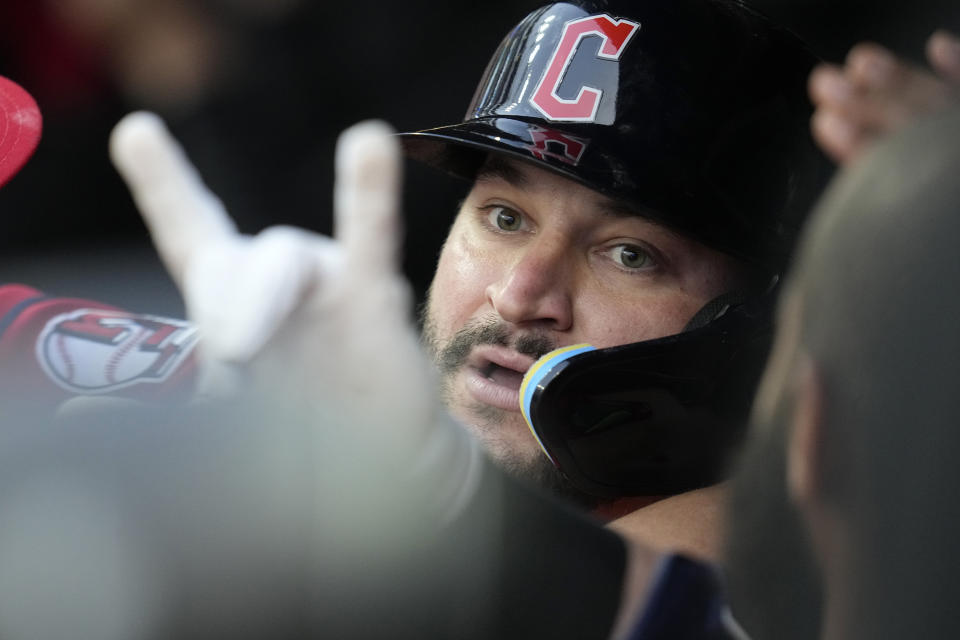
<point x="537" y="287"/>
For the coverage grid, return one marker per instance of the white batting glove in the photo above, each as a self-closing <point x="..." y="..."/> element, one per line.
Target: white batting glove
<point x="325" y="322"/>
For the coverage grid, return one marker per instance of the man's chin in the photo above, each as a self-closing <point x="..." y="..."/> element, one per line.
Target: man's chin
<point x="504" y="434"/>
<point x="538" y="471"/>
<point x="512" y="447"/>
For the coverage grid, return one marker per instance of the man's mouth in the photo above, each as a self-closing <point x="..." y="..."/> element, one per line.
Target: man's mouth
<point x="493" y="376"/>
<point x="502" y="375"/>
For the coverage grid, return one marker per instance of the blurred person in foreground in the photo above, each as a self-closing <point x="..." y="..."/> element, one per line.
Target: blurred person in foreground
<point x="859" y="103"/>
<point x="852" y="460"/>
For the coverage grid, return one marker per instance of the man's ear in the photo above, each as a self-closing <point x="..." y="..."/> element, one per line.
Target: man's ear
<point x="806" y="440"/>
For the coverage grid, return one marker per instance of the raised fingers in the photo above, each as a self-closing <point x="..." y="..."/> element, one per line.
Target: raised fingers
<point x="367" y="199"/>
<point x="838" y="136"/>
<point x="872" y="67"/>
<point x="837" y="126"/>
<point x="943" y="52"/>
<point x="897" y="90"/>
<point x="873" y="94"/>
<point x="180" y="212"/>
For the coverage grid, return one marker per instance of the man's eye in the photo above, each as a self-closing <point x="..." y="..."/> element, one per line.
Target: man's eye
<point x="505" y="219"/>
<point x="631" y="256"/>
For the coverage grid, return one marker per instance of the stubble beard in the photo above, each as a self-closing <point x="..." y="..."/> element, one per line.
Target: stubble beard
<point x="490" y="424"/>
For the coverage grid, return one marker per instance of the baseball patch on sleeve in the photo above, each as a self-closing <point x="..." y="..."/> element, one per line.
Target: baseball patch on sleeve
<point x="94" y="351"/>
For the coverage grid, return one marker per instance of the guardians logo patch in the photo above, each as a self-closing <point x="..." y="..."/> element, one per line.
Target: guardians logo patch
<point x="93" y="351"/>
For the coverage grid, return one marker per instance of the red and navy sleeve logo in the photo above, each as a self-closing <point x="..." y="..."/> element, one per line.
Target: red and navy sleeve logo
<point x="99" y="351"/>
<point x="584" y="100"/>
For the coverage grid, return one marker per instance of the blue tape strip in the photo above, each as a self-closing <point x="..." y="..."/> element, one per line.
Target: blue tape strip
<point x="537" y="373"/>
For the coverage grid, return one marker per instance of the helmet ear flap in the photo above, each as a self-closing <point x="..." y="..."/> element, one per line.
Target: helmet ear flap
<point x="715" y="308"/>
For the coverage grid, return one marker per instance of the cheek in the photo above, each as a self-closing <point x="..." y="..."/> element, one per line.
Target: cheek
<point x="607" y="321"/>
<point x="458" y="291"/>
<point x="613" y="317"/>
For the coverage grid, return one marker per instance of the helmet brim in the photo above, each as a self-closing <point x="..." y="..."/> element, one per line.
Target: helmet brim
<point x="460" y="149"/>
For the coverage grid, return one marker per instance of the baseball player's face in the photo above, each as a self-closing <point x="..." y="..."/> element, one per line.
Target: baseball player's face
<point x="534" y="262"/>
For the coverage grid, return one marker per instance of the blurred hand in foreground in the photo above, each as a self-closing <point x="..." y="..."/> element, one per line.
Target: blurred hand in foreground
<point x="323" y="323"/>
<point x="874" y="93"/>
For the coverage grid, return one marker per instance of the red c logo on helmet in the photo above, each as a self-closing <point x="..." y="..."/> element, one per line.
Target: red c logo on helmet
<point x="583" y="108"/>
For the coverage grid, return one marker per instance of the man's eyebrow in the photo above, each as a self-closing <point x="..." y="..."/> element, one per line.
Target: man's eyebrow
<point x="495" y="167"/>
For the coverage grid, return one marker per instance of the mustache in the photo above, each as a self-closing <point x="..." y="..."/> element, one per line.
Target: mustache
<point x="492" y="332"/>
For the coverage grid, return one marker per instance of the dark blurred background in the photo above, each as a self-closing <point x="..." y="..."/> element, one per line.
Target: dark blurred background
<point x="257" y="91"/>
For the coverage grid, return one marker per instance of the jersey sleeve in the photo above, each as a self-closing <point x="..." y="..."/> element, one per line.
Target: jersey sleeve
<point x="52" y="348"/>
